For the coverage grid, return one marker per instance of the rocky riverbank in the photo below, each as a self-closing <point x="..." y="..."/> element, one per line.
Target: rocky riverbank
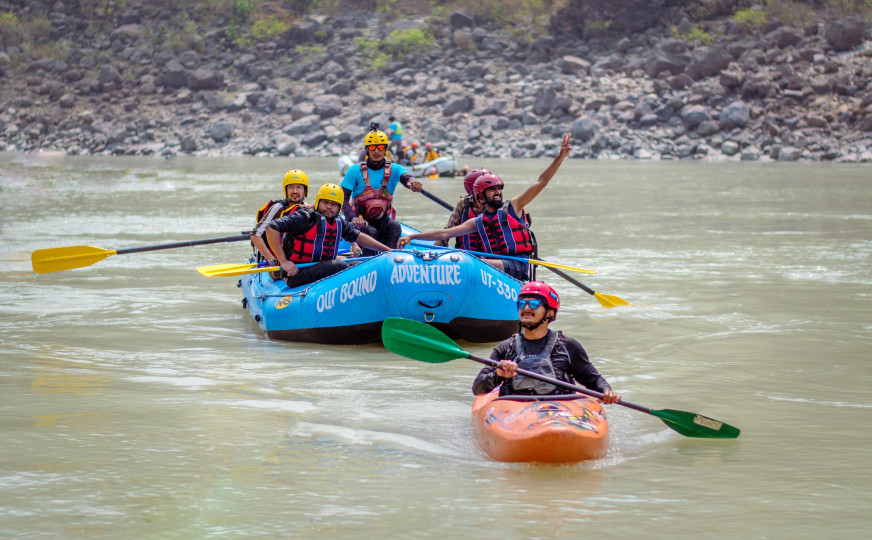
<point x="780" y="93"/>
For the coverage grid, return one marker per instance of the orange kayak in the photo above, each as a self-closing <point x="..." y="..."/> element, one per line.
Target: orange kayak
<point x="551" y="429"/>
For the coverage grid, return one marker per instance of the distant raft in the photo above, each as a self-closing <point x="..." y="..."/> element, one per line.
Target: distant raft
<point x="548" y="429"/>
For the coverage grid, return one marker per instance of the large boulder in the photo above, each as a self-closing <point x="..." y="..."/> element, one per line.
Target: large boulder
<point x="220" y="131"/>
<point x="205" y="79"/>
<point x="694" y="115"/>
<point x="457" y="105"/>
<point x="670" y="55"/>
<point x="583" y="129"/>
<point x="784" y="36"/>
<point x="327" y="105"/>
<point x="174" y="75"/>
<point x="847" y="34"/>
<point x="736" y="114"/>
<point x="708" y="61"/>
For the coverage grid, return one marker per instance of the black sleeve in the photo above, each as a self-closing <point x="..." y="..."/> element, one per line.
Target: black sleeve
<point x="347" y="206"/>
<point x="583" y="371"/>
<point x="295" y="223"/>
<point x="349" y="232"/>
<point x="404" y="179"/>
<point x="487" y="379"/>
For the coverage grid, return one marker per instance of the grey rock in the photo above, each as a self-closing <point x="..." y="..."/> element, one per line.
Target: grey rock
<point x="583" y="129"/>
<point x="693" y="115"/>
<point x="750" y="154"/>
<point x="573" y="65"/>
<point x="327" y="105"/>
<point x="784" y="37"/>
<point x="729" y="148"/>
<point x="708" y="61"/>
<point x="788" y="153"/>
<point x="109" y="74"/>
<point x="457" y="105"/>
<point x="736" y="114"/>
<point x="459" y="19"/>
<point x="128" y="32"/>
<point x="846" y="34"/>
<point x="865" y="124"/>
<point x="669" y="55"/>
<point x="220" y="131"/>
<point x="304" y="125"/>
<point x="707" y="128"/>
<point x="205" y="79"/>
<point x="174" y="75"/>
<point x="189" y="144"/>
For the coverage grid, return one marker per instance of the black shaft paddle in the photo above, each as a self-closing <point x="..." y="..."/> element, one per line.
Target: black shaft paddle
<point x="67" y="258"/>
<point x="423" y="342"/>
<point x="605" y="300"/>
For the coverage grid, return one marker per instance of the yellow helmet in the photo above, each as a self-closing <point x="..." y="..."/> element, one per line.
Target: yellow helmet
<point x="329" y="192"/>
<point x="375" y="137"/>
<point x="295" y="176"/>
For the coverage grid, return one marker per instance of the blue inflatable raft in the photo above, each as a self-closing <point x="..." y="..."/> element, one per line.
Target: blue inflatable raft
<point x="451" y="290"/>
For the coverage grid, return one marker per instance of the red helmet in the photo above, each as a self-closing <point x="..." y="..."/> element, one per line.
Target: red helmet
<point x="544" y="291"/>
<point x="471" y="177"/>
<point x="485" y="181"/>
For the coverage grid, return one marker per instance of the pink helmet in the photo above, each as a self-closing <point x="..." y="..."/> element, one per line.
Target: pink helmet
<point x="471" y="177"/>
<point x="544" y="291"/>
<point x="485" y="181"/>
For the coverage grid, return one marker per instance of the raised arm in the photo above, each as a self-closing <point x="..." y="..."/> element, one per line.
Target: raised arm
<point x="466" y="227"/>
<point x="526" y="197"/>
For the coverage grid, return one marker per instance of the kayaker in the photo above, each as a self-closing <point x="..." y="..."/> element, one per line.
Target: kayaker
<point x="396" y="136"/>
<point x="541" y="350"/>
<point x="369" y="191"/>
<point x="295" y="185"/>
<point x="312" y="235"/>
<point x="468" y="207"/>
<point x="501" y="230"/>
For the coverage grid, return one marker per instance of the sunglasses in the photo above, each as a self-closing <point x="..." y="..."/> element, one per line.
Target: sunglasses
<point x="377" y="147"/>
<point x="532" y="303"/>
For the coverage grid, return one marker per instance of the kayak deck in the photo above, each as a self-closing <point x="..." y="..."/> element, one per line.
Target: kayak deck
<point x="549" y="429"/>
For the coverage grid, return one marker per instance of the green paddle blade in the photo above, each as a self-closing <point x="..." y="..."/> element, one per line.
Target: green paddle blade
<point x="419" y="341"/>
<point x="67" y="258"/>
<point x="696" y="425"/>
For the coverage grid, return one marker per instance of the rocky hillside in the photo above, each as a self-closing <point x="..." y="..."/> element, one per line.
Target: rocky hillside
<point x="718" y="90"/>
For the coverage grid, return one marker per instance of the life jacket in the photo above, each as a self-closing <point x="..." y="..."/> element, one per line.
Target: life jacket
<point x="467" y="240"/>
<point x="315" y="245"/>
<point x="501" y="233"/>
<point x="289" y="207"/>
<point x="411" y="155"/>
<point x="542" y="364"/>
<point x="373" y="203"/>
<point x="431" y="155"/>
<point x="396" y="131"/>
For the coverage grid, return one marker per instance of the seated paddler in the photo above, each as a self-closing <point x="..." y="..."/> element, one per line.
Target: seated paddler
<point x="369" y="191"/>
<point x="311" y="235"/>
<point x="295" y="188"/>
<point x="541" y="350"/>
<point x="501" y="229"/>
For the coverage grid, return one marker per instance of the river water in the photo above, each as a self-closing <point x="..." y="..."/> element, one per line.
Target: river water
<point x="139" y="400"/>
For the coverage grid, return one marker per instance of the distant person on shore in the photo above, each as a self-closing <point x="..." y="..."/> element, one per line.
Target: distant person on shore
<point x="295" y="185"/>
<point x="312" y="235"/>
<point x="502" y="230"/>
<point x="395" y="136"/>
<point x="369" y="191"/>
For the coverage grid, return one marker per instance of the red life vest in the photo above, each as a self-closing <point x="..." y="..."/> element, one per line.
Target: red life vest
<point x="467" y="240"/>
<point x="315" y="245"/>
<point x="372" y="204"/>
<point x="502" y="233"/>
<point x="289" y="207"/>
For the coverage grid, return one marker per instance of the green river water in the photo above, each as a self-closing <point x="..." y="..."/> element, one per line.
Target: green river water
<point x="139" y="400"/>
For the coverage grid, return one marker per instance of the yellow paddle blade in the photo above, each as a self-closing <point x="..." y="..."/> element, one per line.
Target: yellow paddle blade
<point x="225" y="270"/>
<point x="610" y="300"/>
<point x="561" y="266"/>
<point x="67" y="258"/>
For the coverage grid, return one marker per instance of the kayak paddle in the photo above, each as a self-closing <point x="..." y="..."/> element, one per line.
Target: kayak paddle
<point x="67" y="258"/>
<point x="423" y="342"/>
<point x="605" y="300"/>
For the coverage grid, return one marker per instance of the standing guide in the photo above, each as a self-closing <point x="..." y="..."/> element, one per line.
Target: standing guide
<point x="369" y="189"/>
